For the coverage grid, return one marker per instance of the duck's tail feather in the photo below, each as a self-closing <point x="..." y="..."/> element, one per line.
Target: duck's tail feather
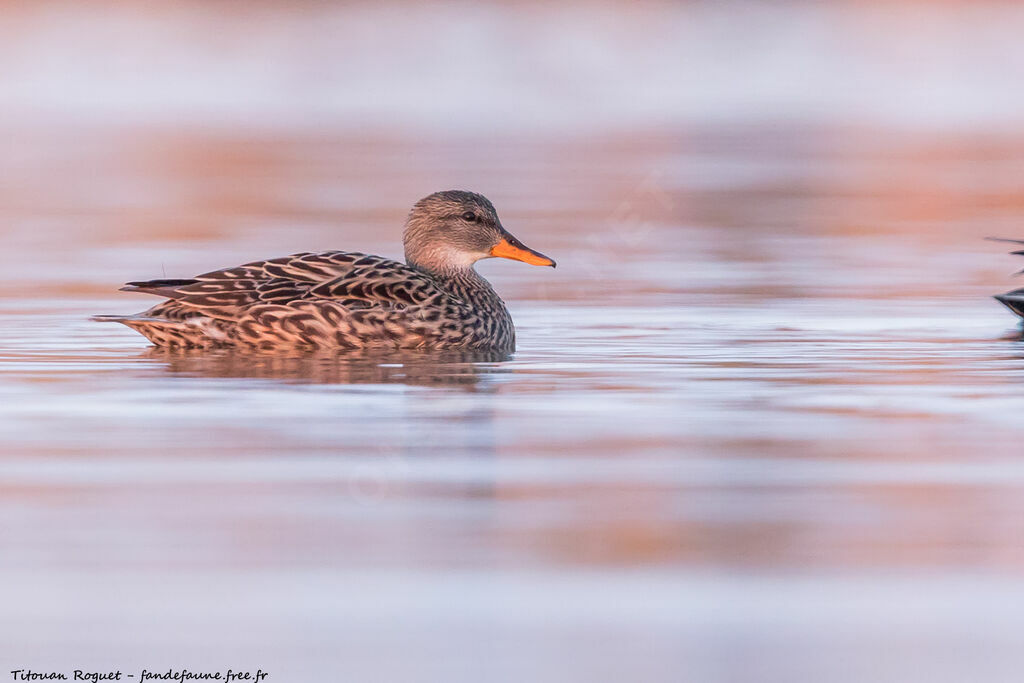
<point x="1018" y="252"/>
<point x="190" y="333"/>
<point x="164" y="287"/>
<point x="1013" y="300"/>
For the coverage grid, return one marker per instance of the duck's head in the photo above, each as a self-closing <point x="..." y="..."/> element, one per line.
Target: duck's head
<point x="454" y="229"/>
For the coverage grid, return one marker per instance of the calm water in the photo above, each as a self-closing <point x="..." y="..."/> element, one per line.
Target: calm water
<point x="764" y="421"/>
<point x="764" y="417"/>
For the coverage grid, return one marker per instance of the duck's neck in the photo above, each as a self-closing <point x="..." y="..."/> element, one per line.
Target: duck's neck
<point x="468" y="285"/>
<point x="495" y="326"/>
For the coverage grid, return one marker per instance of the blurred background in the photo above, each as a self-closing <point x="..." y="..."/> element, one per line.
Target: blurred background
<point x="764" y="422"/>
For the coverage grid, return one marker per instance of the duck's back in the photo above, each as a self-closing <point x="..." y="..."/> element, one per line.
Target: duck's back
<point x="330" y="299"/>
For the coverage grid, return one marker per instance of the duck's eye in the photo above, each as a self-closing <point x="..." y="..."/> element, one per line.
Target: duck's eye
<point x="469" y="216"/>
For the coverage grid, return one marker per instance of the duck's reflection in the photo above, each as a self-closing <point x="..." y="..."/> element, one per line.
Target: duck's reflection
<point x="464" y="369"/>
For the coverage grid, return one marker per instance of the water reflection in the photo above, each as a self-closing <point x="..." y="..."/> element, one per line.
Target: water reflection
<point x="759" y="427"/>
<point x="467" y="370"/>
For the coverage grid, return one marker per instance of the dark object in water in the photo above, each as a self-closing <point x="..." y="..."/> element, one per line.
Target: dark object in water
<point x="1013" y="300"/>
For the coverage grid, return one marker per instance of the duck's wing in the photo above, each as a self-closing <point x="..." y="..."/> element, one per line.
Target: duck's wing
<point x="349" y="279"/>
<point x="328" y="299"/>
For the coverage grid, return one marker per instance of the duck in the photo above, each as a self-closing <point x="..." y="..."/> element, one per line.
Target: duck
<point x="338" y="300"/>
<point x="1013" y="300"/>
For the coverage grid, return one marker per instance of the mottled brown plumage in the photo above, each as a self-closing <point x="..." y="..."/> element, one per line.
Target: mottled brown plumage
<point x="348" y="300"/>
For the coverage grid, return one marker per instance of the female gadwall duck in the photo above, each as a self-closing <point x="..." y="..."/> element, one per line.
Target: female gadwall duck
<point x="347" y="300"/>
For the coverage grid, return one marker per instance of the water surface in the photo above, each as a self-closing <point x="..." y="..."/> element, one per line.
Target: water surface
<point x="764" y="417"/>
<point x="764" y="420"/>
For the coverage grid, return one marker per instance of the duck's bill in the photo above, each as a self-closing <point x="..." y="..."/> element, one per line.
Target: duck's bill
<point x="512" y="248"/>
